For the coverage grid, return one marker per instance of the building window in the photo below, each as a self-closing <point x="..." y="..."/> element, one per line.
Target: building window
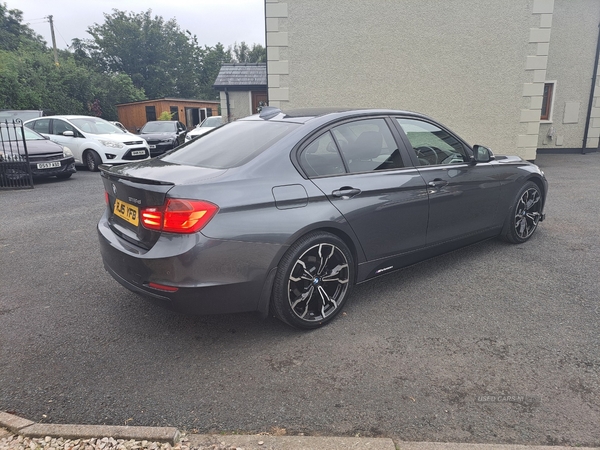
<point x="547" y="101"/>
<point x="174" y="113"/>
<point x="150" y="113"/>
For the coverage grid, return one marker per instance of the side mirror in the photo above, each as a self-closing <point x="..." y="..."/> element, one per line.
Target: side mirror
<point x="68" y="133"/>
<point x="482" y="154"/>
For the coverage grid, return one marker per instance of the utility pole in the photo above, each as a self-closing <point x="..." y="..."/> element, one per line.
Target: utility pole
<point x="53" y="40"/>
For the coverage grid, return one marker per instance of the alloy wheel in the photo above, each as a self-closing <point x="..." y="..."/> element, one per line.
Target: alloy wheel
<point x="527" y="213"/>
<point x="318" y="282"/>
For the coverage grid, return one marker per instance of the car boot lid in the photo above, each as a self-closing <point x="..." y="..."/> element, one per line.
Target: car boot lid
<point x="161" y="172"/>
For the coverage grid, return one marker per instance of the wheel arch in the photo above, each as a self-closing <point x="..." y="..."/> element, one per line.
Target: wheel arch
<point x="264" y="304"/>
<point x="540" y="184"/>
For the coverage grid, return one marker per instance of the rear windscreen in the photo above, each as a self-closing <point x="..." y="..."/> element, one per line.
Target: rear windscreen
<point x="230" y="145"/>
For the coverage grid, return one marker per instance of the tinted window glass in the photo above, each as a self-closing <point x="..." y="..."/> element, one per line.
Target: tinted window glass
<point x="368" y="145"/>
<point x="41" y="126"/>
<point x="231" y="145"/>
<point x="60" y="126"/>
<point x="321" y="157"/>
<point x="431" y="144"/>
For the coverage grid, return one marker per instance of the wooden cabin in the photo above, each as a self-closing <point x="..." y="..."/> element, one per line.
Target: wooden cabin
<point x="191" y="112"/>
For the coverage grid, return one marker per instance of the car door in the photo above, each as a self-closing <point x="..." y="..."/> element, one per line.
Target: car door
<point x="72" y="139"/>
<point x="463" y="197"/>
<point x="361" y="169"/>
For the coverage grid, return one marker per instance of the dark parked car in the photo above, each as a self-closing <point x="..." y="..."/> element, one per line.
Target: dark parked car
<point x="46" y="158"/>
<point x="285" y="212"/>
<point x="163" y="135"/>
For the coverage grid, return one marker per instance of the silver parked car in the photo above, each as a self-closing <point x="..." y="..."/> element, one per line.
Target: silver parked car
<point x="210" y="123"/>
<point x="284" y="212"/>
<point x="92" y="140"/>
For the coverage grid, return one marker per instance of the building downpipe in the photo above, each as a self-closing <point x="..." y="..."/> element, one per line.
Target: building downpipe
<point x="590" y="103"/>
<point x="228" y="106"/>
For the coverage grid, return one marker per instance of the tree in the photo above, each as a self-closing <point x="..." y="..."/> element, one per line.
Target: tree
<point x="157" y="55"/>
<point x="242" y="53"/>
<point x="213" y="59"/>
<point x="13" y="33"/>
<point x="130" y="57"/>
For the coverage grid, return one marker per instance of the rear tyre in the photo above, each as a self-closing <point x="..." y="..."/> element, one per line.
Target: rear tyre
<point x="525" y="215"/>
<point x="313" y="281"/>
<point x="92" y="160"/>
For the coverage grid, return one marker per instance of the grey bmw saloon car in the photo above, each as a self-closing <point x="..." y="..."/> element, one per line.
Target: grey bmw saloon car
<point x="284" y="212"/>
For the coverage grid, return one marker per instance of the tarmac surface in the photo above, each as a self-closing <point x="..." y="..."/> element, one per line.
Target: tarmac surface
<point x="523" y="320"/>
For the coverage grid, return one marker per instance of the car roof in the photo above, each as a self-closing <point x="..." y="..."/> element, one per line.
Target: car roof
<point x="67" y="116"/>
<point x="303" y="115"/>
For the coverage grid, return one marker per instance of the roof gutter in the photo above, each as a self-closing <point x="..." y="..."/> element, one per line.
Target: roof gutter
<point x="590" y="103"/>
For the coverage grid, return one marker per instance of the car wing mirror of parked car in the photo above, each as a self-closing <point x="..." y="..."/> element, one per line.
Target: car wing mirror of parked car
<point x="482" y="154"/>
<point x="68" y="133"/>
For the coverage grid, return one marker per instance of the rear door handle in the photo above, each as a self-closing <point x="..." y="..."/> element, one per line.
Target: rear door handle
<point x="346" y="192"/>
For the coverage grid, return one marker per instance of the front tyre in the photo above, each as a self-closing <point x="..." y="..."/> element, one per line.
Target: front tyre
<point x="92" y="160"/>
<point x="525" y="214"/>
<point x="313" y="281"/>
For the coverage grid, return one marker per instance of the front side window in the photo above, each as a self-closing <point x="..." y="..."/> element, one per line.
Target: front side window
<point x="60" y="126"/>
<point x="368" y="145"/>
<point x="431" y="144"/>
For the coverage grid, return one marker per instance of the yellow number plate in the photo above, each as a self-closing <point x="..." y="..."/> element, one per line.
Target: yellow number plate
<point x="127" y="212"/>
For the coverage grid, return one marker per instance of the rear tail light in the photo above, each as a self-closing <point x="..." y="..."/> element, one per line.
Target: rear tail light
<point x="106" y="198"/>
<point x="179" y="216"/>
<point x="163" y="287"/>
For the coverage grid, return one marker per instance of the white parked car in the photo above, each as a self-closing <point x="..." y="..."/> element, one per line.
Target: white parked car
<point x="207" y="124"/>
<point x="92" y="140"/>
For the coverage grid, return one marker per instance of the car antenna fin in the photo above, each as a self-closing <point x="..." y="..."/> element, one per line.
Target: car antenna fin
<point x="268" y="112"/>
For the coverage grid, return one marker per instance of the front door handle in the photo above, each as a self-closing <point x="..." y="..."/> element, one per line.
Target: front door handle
<point x="346" y="192"/>
<point x="437" y="183"/>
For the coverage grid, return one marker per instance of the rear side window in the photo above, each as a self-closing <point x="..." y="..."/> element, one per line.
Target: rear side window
<point x="231" y="145"/>
<point x="41" y="126"/>
<point x="368" y="145"/>
<point x="321" y="157"/>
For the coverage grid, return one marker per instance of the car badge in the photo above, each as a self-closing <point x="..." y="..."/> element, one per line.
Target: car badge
<point x="114" y="189"/>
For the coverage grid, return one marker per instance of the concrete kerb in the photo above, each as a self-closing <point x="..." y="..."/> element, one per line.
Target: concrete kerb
<point x="27" y="428"/>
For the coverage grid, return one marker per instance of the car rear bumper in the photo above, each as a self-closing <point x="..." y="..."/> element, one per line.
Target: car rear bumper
<point x="211" y="276"/>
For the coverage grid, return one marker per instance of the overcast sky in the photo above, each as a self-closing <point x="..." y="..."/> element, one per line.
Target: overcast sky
<point x="224" y="21"/>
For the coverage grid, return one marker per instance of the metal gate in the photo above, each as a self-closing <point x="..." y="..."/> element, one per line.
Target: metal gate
<point x="15" y="171"/>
